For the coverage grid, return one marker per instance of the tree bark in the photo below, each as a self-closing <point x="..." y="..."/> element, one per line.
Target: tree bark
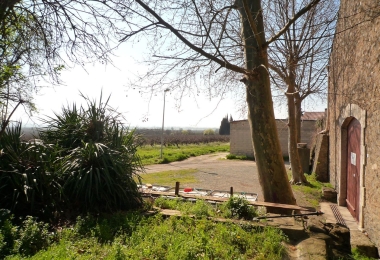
<point x="297" y="104"/>
<point x="271" y="168"/>
<point x="293" y="131"/>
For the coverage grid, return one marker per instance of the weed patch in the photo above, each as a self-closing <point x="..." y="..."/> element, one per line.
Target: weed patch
<point x="312" y="191"/>
<point x="131" y="236"/>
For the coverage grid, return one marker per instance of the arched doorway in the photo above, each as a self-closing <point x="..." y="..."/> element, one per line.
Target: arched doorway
<point x="354" y="118"/>
<point x="353" y="168"/>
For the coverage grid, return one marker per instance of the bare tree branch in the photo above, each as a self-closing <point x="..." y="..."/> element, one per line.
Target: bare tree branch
<point x="222" y="63"/>
<point x="291" y="21"/>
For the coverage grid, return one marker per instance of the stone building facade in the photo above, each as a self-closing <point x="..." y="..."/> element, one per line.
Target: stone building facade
<point x="354" y="113"/>
<point x="240" y="136"/>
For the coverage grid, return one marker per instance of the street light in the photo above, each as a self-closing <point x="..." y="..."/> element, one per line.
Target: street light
<point x="163" y="120"/>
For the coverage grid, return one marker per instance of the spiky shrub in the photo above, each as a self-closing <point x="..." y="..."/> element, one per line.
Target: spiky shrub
<point x="29" y="175"/>
<point x="98" y="156"/>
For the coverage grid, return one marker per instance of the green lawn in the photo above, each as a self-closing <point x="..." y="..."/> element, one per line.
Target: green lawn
<point x="169" y="178"/>
<point x="151" y="154"/>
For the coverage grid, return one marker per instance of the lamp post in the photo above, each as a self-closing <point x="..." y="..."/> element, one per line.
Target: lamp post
<point x="163" y="120"/>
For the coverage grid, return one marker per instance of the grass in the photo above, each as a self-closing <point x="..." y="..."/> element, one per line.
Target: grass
<point x="239" y="157"/>
<point x="169" y="178"/>
<point x="236" y="208"/>
<point x="133" y="236"/>
<point x="151" y="154"/>
<point x="312" y="192"/>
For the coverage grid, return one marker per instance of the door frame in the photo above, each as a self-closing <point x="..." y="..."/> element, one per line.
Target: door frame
<point x="347" y="114"/>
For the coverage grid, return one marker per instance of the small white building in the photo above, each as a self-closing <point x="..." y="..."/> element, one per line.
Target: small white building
<point x="240" y="136"/>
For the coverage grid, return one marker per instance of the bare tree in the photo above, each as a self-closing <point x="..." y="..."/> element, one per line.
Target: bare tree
<point x="193" y="43"/>
<point x="39" y="38"/>
<point x="298" y="61"/>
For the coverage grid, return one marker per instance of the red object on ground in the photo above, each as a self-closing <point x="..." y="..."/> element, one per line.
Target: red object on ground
<point x="187" y="189"/>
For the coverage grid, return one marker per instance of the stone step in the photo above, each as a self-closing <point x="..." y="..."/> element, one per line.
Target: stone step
<point x="358" y="239"/>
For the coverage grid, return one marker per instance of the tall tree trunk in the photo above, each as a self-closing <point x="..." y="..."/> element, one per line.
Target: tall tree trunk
<point x="295" y="162"/>
<point x="297" y="104"/>
<point x="270" y="164"/>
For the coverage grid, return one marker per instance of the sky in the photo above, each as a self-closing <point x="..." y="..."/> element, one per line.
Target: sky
<point x="112" y="80"/>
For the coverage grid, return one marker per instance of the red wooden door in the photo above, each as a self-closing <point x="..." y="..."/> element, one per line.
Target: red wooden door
<point x="353" y="167"/>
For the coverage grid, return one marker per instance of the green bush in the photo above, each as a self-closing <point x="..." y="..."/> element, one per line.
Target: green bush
<point x="8" y="233"/>
<point x="33" y="236"/>
<point x="209" y="132"/>
<point x="164" y="203"/>
<point x="238" y="207"/>
<point x="201" y="209"/>
<point x="239" y="157"/>
<point x="86" y="162"/>
<point x="99" y="157"/>
<point x="106" y="228"/>
<point x="182" y="157"/>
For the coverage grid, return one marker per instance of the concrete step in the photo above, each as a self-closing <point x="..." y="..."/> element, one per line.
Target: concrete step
<point x="358" y="238"/>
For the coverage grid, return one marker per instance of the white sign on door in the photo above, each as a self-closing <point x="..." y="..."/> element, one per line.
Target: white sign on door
<point x="353" y="158"/>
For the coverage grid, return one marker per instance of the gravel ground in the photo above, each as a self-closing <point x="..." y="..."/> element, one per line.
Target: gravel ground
<point x="216" y="173"/>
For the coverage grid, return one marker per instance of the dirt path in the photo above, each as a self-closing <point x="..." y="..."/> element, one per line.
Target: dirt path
<point x="216" y="173"/>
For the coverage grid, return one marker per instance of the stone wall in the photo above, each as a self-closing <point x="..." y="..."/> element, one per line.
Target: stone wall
<point x="321" y="162"/>
<point x="354" y="92"/>
<point x="241" y="142"/>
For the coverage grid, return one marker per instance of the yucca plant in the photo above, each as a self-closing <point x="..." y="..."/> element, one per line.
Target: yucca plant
<point x="29" y="176"/>
<point x="99" y="157"/>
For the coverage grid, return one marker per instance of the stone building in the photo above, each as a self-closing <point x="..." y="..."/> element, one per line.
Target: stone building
<point x="354" y="113"/>
<point x="240" y="136"/>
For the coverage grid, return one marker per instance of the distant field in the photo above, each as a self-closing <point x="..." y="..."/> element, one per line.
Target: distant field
<point x="178" y="144"/>
<point x="151" y="154"/>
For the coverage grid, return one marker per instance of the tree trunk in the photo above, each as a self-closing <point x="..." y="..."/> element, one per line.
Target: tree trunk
<point x="295" y="163"/>
<point x="297" y="104"/>
<point x="270" y="164"/>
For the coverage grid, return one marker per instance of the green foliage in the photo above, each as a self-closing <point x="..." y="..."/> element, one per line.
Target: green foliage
<point x="151" y="154"/>
<point x="357" y="255"/>
<point x="33" y="236"/>
<point x="224" y="128"/>
<point x="209" y="132"/>
<point x="235" y="207"/>
<point x="169" y="178"/>
<point x="131" y="236"/>
<point x="200" y="209"/>
<point x="312" y="191"/>
<point x="8" y="233"/>
<point x="238" y="207"/>
<point x="106" y="228"/>
<point x="86" y="162"/>
<point x="165" y="203"/>
<point x="30" y="175"/>
<point x="239" y="157"/>
<point x="185" y="132"/>
<point x="186" y="238"/>
<point x="99" y="157"/>
<point x="26" y="240"/>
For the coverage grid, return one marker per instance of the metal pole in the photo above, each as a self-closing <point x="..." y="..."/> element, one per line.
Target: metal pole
<point x="163" y="120"/>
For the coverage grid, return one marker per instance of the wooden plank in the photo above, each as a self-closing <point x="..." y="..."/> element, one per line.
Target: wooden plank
<point x="253" y="203"/>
